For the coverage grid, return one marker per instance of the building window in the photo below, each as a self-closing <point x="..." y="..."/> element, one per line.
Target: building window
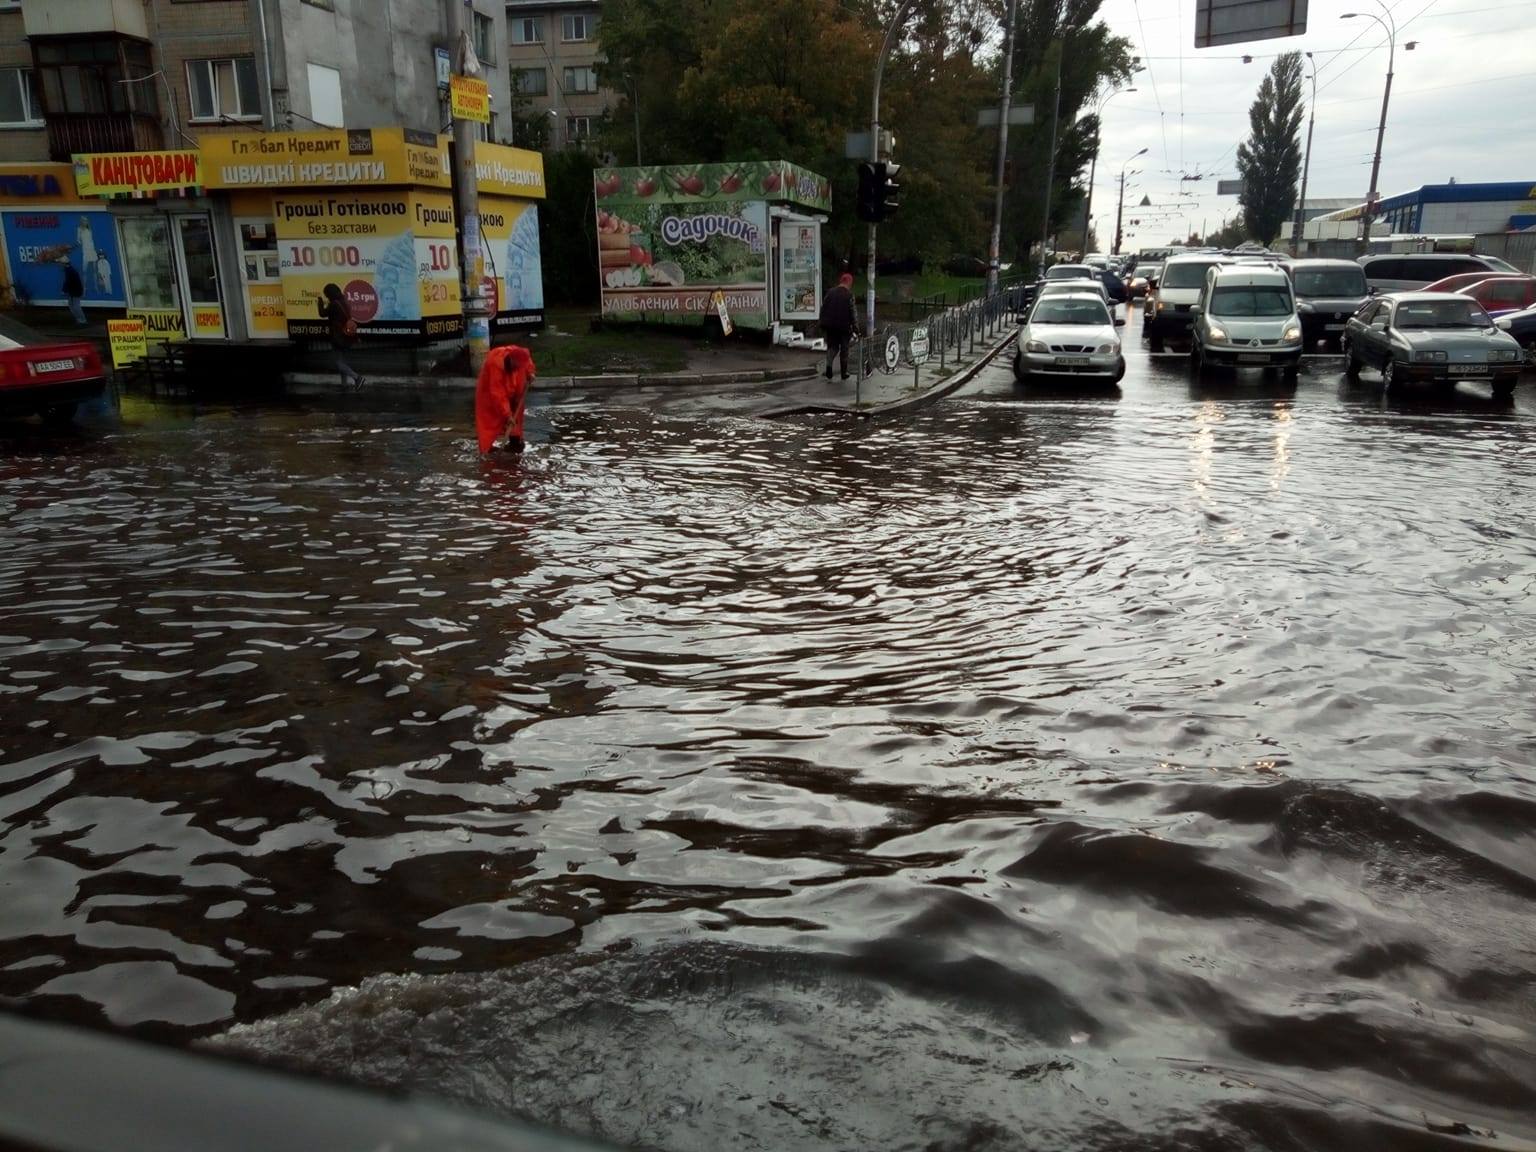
<point x="325" y="96"/>
<point x="485" y="38"/>
<point x="531" y="82"/>
<point x="19" y="106"/>
<point x="486" y="132"/>
<point x="578" y="27"/>
<point x="580" y="80"/>
<point x="528" y="30"/>
<point x="224" y="89"/>
<point x="97" y="77"/>
<point x="578" y="128"/>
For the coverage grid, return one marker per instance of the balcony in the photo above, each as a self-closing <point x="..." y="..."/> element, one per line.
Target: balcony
<point x="107" y="132"/>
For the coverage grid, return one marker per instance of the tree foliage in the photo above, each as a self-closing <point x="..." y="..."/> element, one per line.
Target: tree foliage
<point x="1269" y="161"/>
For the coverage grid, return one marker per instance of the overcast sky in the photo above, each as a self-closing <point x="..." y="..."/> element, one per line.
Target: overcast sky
<point x="1463" y="103"/>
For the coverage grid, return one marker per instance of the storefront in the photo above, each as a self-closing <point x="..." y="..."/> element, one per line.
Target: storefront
<point x="45" y="223"/>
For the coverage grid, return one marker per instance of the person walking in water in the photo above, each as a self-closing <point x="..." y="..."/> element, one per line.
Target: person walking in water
<point x="837" y="321"/>
<point x="74" y="288"/>
<point x="336" y="312"/>
<point x="501" y="395"/>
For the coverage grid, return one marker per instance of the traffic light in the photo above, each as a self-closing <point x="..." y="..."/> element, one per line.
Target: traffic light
<point x="878" y="191"/>
<point x="889" y="190"/>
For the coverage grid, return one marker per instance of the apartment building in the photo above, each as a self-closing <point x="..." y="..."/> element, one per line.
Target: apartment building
<point x="553" y="56"/>
<point x="139" y="75"/>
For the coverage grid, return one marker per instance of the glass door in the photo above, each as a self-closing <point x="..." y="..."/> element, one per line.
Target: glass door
<point x="199" y="268"/>
<point x="149" y="274"/>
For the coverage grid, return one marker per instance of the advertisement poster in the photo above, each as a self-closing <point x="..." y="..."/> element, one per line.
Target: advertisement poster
<point x="37" y="242"/>
<point x="662" y="262"/>
<point x="510" y="232"/>
<point x="469" y="98"/>
<point x="125" y="173"/>
<point x="345" y="157"/>
<point x="127" y="340"/>
<point x="773" y="180"/>
<point x="390" y="252"/>
<point x="161" y="325"/>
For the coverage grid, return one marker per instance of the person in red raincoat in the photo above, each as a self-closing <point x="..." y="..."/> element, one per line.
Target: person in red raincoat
<point x="500" y="396"/>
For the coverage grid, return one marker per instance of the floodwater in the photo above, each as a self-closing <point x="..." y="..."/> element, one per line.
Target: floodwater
<point x="1150" y="771"/>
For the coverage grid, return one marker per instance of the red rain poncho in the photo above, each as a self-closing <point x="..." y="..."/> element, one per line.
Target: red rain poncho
<point x="501" y="392"/>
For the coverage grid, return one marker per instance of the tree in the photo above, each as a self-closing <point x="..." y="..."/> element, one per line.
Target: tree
<point x="1270" y="160"/>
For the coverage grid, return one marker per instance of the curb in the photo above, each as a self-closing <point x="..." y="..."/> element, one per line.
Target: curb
<point x="922" y="399"/>
<point x="327" y="380"/>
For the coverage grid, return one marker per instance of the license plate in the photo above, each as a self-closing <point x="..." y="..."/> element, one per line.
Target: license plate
<point x="1470" y="370"/>
<point x="1252" y="358"/>
<point x="1071" y="360"/>
<point x="1333" y="327"/>
<point x="53" y="366"/>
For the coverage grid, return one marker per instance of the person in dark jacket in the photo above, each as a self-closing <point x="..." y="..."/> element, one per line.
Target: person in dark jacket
<point x="837" y="322"/>
<point x="74" y="288"/>
<point x="336" y="312"/>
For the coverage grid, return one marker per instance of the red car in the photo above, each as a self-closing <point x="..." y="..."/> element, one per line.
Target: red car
<point x="48" y="376"/>
<point x="1461" y="280"/>
<point x="1500" y="294"/>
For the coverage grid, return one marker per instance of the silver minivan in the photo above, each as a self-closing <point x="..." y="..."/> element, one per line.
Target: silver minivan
<point x="1166" y="311"/>
<point x="1246" y="317"/>
<point x="1411" y="271"/>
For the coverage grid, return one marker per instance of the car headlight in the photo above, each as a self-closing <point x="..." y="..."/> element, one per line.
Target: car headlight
<point x="1292" y="334"/>
<point x="1429" y="357"/>
<point x="1216" y="335"/>
<point x="1036" y="346"/>
<point x="1103" y="348"/>
<point x="1503" y="356"/>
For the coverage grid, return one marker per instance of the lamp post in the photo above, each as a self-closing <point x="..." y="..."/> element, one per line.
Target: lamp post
<point x="994" y="255"/>
<point x="1093" y="164"/>
<point x="1386" y="21"/>
<point x="1050" y="167"/>
<point x="1306" y="165"/>
<point x="1120" y="207"/>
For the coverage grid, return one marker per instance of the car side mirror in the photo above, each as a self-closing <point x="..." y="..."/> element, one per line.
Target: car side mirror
<point x="1379" y="325"/>
<point x="1505" y="323"/>
<point x="1370" y="290"/>
<point x="1196" y="310"/>
<point x="1119" y="323"/>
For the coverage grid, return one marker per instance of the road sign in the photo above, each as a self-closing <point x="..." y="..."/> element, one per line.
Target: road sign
<point x="1220" y="22"/>
<point x="1018" y="115"/>
<point x="917" y="347"/>
<point x="892" y="352"/>
<point x="1229" y="187"/>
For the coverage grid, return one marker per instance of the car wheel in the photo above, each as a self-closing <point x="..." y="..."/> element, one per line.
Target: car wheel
<point x="1196" y="359"/>
<point x="59" y="414"/>
<point x="1351" y="362"/>
<point x="1119" y="371"/>
<point x="1388" y="373"/>
<point x="1019" y="374"/>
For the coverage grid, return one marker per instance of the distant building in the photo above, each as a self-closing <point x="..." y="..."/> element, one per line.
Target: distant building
<point x="553" y="57"/>
<point x="1452" y="209"/>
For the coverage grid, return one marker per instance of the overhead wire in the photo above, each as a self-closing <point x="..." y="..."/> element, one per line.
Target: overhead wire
<point x="1152" y="77"/>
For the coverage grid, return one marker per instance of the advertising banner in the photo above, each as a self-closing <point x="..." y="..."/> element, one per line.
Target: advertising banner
<point x="469" y="98"/>
<point x="38" y="242"/>
<point x="776" y="181"/>
<point x="208" y="321"/>
<point x="124" y="173"/>
<point x="799" y="270"/>
<point x="38" y="184"/>
<point x="266" y="315"/>
<point x="503" y="171"/>
<point x="392" y="253"/>
<point x="160" y="324"/>
<point x="662" y="261"/>
<point x="127" y="340"/>
<point x="341" y="157"/>
<point x="510" y="232"/>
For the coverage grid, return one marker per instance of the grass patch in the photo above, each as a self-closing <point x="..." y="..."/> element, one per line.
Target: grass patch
<point x="568" y="347"/>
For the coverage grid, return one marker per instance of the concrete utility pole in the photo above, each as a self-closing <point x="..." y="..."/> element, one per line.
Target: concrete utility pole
<point x="1120" y="206"/>
<point x="874" y="155"/>
<point x="1050" y="168"/>
<point x="994" y="253"/>
<point x="1306" y="167"/>
<point x="1390" y="25"/>
<point x="477" y="323"/>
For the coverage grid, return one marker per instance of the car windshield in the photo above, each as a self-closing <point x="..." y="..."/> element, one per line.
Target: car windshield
<point x="1069" y="272"/>
<point x="1251" y="300"/>
<point x="1183" y="275"/>
<point x="1441" y="314"/>
<point x="1063" y="286"/>
<point x="14" y="334"/>
<point x="1064" y="311"/>
<point x="1330" y="282"/>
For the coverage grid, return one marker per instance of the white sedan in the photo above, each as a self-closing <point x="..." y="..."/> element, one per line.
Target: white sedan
<point x="1069" y="334"/>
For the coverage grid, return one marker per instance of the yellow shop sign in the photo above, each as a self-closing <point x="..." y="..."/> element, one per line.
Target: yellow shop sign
<point x="334" y="158"/>
<point x="122" y="173"/>
<point x="503" y="171"/>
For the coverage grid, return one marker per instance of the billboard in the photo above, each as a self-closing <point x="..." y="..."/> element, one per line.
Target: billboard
<point x="38" y="241"/>
<point x="1220" y="22"/>
<point x="509" y="231"/>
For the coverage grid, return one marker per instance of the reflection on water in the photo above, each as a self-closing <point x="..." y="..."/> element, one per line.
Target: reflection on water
<point x="1060" y="775"/>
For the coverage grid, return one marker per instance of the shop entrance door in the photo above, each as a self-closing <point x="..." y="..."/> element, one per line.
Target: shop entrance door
<point x="198" y="270"/>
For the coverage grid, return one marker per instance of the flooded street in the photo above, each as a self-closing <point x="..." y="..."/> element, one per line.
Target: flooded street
<point x="1137" y="771"/>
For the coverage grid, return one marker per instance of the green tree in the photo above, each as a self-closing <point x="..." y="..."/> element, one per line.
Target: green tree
<point x="1269" y="161"/>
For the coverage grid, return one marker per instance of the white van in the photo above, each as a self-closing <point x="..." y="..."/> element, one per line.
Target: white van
<point x="1166" y="311"/>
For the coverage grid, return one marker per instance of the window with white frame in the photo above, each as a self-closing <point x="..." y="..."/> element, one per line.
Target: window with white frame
<point x="528" y="30"/>
<point x="580" y="80"/>
<point x="19" y="105"/>
<point x="485" y="38"/>
<point x="224" y="89"/>
<point x="486" y="132"/>
<point x="577" y="27"/>
<point x="531" y="81"/>
<point x="578" y="128"/>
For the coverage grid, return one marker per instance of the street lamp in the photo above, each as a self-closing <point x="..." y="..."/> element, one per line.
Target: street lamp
<point x="1306" y="165"/>
<point x="1093" y="164"/>
<point x="1390" y="25"/>
<point x="1120" y="207"/>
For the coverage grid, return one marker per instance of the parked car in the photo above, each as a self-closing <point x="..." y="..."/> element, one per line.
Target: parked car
<point x="1328" y="293"/>
<point x="1460" y="280"/>
<point x="1151" y="271"/>
<point x="1114" y="288"/>
<point x="1135" y="285"/>
<point x="1522" y="326"/>
<point x="44" y="375"/>
<point x="1069" y="336"/>
<point x="1501" y="294"/>
<point x="1430" y="337"/>
<point x="1415" y="271"/>
<point x="1166" y="312"/>
<point x="1071" y="287"/>
<point x="1246" y="316"/>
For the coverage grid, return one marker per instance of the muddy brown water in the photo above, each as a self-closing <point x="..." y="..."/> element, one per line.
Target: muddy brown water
<point x="1150" y="771"/>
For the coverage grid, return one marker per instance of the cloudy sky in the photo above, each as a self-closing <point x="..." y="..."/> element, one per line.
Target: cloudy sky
<point x="1463" y="103"/>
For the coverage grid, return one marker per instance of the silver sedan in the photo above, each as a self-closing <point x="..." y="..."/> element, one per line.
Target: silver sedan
<point x="1430" y="337"/>
<point x="1069" y="336"/>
